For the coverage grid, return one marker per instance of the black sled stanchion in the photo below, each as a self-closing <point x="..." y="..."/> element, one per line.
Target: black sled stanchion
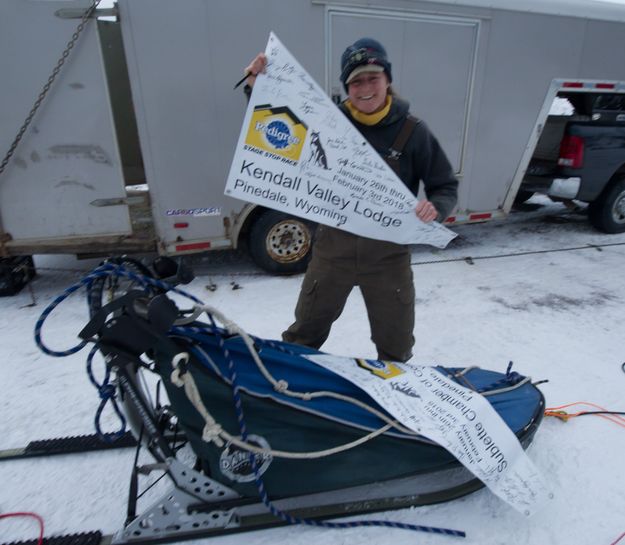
<point x="137" y="325"/>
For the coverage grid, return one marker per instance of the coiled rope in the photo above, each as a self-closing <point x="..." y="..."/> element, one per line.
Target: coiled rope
<point x="103" y="271"/>
<point x="106" y="390"/>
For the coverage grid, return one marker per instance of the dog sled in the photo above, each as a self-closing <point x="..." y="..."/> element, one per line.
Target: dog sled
<point x="277" y="438"/>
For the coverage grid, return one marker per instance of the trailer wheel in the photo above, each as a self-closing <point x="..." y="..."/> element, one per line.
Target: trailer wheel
<point x="607" y="213"/>
<point x="281" y="244"/>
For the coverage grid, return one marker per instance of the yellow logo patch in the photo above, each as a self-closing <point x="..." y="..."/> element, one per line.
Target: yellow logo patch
<point x="278" y="132"/>
<point x="382" y="369"/>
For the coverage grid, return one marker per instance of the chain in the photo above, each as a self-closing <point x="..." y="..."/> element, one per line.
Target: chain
<point x="68" y="49"/>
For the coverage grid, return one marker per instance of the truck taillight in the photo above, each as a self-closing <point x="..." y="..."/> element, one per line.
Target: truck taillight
<point x="571" y="152"/>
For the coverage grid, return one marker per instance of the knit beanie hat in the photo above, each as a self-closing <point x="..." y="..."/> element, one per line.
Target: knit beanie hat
<point x="364" y="55"/>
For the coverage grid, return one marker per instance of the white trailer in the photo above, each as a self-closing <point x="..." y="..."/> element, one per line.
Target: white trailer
<point x="131" y="146"/>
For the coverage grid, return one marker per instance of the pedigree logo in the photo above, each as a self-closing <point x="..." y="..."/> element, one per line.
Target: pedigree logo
<point x="278" y="132"/>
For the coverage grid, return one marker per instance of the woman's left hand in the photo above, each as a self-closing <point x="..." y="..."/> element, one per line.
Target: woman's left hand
<point x="426" y="211"/>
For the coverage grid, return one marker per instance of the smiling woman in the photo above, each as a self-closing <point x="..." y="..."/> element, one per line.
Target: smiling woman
<point x="368" y="92"/>
<point x="342" y="260"/>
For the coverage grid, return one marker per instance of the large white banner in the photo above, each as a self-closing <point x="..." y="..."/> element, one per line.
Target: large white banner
<point x="459" y="419"/>
<point x="298" y="153"/>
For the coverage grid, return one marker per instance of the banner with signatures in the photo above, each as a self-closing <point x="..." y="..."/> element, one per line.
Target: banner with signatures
<point x="298" y="153"/>
<point x="461" y="420"/>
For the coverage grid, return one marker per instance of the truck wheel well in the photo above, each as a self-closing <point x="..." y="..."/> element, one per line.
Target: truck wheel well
<point x="620" y="172"/>
<point x="616" y="177"/>
<point x="607" y="212"/>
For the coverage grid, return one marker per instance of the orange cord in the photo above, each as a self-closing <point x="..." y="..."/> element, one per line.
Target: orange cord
<point x="25" y="514"/>
<point x="619" y="539"/>
<point x="558" y="412"/>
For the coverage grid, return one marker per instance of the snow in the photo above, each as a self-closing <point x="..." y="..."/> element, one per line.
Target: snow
<point x="559" y="315"/>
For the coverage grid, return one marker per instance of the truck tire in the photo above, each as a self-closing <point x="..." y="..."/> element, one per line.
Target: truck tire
<point x="607" y="213"/>
<point x="280" y="243"/>
<point x="15" y="273"/>
<point x="522" y="196"/>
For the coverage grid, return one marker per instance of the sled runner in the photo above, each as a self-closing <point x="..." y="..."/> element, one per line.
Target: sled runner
<point x="278" y="438"/>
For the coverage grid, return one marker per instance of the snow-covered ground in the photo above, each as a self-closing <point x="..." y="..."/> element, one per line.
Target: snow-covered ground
<point x="559" y="315"/>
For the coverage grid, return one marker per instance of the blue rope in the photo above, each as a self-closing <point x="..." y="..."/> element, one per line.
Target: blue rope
<point x="261" y="487"/>
<point x="106" y="390"/>
<point x="510" y="379"/>
<point x="48" y="310"/>
<point x="103" y="271"/>
<point x="107" y="372"/>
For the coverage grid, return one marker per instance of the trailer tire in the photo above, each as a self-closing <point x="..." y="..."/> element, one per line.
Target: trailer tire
<point x="280" y="243"/>
<point x="607" y="213"/>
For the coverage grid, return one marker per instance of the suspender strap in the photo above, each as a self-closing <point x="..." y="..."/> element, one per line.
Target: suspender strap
<point x="396" y="150"/>
<point x="404" y="134"/>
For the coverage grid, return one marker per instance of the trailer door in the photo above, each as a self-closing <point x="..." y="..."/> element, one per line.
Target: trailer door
<point x="67" y="165"/>
<point x="433" y="60"/>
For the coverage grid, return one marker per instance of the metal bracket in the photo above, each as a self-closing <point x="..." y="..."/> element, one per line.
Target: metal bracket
<point x="77" y="13"/>
<point x="170" y="516"/>
<point x="116" y="201"/>
<point x="199" y="485"/>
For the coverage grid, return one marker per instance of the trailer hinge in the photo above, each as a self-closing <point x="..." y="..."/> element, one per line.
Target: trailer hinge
<point x="78" y="13"/>
<point x="117" y="201"/>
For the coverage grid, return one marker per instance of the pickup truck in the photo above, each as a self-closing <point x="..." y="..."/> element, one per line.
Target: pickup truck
<point x="581" y="156"/>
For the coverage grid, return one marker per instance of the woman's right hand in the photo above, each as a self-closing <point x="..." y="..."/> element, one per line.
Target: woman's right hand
<point x="257" y="66"/>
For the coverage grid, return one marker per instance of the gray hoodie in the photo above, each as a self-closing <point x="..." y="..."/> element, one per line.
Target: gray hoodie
<point x="422" y="159"/>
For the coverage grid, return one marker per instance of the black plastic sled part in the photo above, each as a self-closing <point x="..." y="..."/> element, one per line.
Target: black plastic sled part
<point x="15" y="273"/>
<point x="67" y="445"/>
<point x="85" y="538"/>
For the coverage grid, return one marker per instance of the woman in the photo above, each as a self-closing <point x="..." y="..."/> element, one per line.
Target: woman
<point x="342" y="260"/>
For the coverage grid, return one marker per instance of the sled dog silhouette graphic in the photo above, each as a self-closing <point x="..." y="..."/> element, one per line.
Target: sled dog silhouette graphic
<point x="317" y="153"/>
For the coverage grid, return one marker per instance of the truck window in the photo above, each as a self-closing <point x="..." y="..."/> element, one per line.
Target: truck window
<point x="613" y="102"/>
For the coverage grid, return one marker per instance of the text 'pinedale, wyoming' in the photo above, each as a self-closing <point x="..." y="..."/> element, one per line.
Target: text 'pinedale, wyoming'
<point x="299" y="154"/>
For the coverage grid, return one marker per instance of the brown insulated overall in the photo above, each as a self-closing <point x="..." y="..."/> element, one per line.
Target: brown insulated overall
<point x="381" y="269"/>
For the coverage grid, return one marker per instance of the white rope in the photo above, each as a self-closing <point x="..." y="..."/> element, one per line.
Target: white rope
<point x="308" y="455"/>
<point x="507" y="388"/>
<point x="461" y="372"/>
<point x="213" y="432"/>
<point x="281" y="386"/>
<point x="503" y="390"/>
